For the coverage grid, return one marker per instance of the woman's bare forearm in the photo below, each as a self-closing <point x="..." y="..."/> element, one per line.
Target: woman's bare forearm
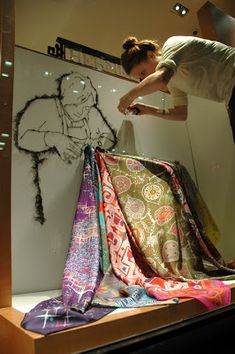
<point x="152" y="83"/>
<point x="178" y="113"/>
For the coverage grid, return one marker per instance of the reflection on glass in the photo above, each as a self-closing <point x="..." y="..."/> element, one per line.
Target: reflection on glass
<point x="5" y="135"/>
<point x="8" y="63"/>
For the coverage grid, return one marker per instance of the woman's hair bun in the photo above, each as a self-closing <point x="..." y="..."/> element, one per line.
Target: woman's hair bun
<point x="129" y="43"/>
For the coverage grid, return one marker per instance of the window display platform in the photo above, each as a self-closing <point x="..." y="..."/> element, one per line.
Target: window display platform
<point x="115" y="327"/>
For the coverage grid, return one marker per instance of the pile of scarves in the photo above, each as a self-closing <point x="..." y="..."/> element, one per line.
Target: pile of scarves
<point x="141" y="236"/>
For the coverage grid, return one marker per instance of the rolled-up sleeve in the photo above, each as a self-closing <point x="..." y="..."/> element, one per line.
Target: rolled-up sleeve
<point x="168" y="63"/>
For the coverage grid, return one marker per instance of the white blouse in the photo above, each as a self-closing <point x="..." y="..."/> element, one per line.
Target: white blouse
<point x="201" y="68"/>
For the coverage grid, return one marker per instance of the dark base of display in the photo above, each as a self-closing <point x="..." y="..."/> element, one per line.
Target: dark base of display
<point x="213" y="330"/>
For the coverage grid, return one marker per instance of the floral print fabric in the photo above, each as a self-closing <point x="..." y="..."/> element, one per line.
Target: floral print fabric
<point x="157" y="214"/>
<point x="135" y="242"/>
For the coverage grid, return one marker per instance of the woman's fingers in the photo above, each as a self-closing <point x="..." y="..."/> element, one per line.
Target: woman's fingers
<point x="138" y="108"/>
<point x="133" y="110"/>
<point x="121" y="108"/>
<point x="124" y="103"/>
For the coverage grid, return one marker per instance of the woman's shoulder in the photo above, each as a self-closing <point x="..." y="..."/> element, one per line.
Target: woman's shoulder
<point x="190" y="40"/>
<point x="179" y="43"/>
<point x="183" y="40"/>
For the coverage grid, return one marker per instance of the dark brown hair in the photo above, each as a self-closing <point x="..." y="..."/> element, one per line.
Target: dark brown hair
<point x="136" y="51"/>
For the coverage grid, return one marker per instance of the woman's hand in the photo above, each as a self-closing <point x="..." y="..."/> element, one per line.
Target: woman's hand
<point x="125" y="102"/>
<point x="139" y="109"/>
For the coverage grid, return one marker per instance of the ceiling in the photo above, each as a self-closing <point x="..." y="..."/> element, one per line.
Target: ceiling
<point x="103" y="24"/>
<point x="165" y="23"/>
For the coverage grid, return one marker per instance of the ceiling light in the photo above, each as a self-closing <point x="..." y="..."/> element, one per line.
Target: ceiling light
<point x="180" y="9"/>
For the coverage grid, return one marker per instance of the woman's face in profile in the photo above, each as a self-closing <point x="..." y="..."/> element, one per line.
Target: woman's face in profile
<point x="145" y="68"/>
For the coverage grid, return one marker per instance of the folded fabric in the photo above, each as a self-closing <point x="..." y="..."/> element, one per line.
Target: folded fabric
<point x="137" y="240"/>
<point x="52" y="315"/>
<point x="142" y="205"/>
<point x="81" y="273"/>
<point x="113" y="292"/>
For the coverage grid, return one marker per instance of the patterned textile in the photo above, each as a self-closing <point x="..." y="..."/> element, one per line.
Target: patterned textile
<point x="198" y="238"/>
<point x="164" y="229"/>
<point x="104" y="251"/>
<point x="121" y="255"/>
<point x="212" y="293"/>
<point x="52" y="315"/>
<point x="81" y="273"/>
<point x="135" y="242"/>
<point x="82" y="265"/>
<point x="115" y="293"/>
<point x="198" y="207"/>
<point x="199" y="243"/>
<point x="112" y="291"/>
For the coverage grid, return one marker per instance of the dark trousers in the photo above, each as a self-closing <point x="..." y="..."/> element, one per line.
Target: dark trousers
<point x="231" y="109"/>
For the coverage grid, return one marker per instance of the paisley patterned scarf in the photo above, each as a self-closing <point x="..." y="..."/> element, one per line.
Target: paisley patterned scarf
<point x="135" y="242"/>
<point x="156" y="213"/>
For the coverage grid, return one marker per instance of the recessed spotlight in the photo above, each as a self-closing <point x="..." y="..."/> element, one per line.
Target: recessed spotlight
<point x="180" y="9"/>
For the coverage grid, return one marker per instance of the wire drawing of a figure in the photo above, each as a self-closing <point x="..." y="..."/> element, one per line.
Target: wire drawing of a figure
<point x="62" y="124"/>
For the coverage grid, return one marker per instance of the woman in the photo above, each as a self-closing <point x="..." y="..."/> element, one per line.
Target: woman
<point x="185" y="65"/>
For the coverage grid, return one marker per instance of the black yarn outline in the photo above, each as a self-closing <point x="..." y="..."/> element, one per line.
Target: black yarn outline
<point x="38" y="158"/>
